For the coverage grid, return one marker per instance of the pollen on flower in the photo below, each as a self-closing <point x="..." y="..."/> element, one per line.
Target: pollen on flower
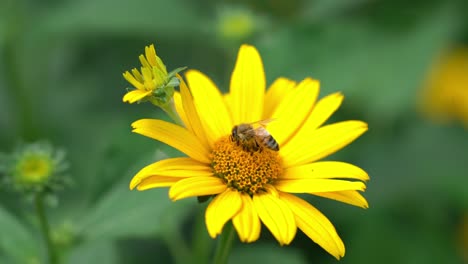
<point x="246" y="171"/>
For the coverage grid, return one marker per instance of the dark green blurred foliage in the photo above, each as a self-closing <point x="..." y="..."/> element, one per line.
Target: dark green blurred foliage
<point x="60" y="79"/>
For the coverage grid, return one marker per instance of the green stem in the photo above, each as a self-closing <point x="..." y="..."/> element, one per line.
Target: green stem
<point x="224" y="245"/>
<point x="177" y="246"/>
<point x="201" y="241"/>
<point x="169" y="109"/>
<point x="174" y="239"/>
<point x="44" y="225"/>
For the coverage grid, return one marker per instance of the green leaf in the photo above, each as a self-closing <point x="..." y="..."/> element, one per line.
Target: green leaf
<point x="124" y="213"/>
<point x="265" y="253"/>
<point x="95" y="252"/>
<point x="15" y="240"/>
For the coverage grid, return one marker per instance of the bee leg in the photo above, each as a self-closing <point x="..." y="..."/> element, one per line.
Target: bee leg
<point x="258" y="146"/>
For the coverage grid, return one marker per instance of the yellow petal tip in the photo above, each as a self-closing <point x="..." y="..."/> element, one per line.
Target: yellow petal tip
<point x="136" y="124"/>
<point x="126" y="99"/>
<point x="248" y="48"/>
<point x="134" y="183"/>
<point x="363" y="187"/>
<point x="175" y="196"/>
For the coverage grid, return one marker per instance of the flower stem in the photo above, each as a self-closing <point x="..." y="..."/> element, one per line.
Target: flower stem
<point x="224" y="245"/>
<point x="201" y="241"/>
<point x="44" y="225"/>
<point x="177" y="246"/>
<point x="169" y="109"/>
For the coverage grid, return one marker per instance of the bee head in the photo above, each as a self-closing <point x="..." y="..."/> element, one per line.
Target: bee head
<point x="234" y="134"/>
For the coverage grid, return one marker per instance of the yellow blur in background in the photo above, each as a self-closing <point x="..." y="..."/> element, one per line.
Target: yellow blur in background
<point x="445" y="94"/>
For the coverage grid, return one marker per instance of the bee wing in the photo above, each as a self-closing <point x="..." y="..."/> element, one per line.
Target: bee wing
<point x="262" y="132"/>
<point x="263" y="122"/>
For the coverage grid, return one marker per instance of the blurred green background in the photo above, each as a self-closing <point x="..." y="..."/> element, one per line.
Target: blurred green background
<point x="60" y="80"/>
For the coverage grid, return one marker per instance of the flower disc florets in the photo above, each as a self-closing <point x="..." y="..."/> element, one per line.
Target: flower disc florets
<point x="34" y="167"/>
<point x="244" y="170"/>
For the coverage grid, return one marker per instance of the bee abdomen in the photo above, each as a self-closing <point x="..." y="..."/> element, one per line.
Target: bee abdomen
<point x="271" y="143"/>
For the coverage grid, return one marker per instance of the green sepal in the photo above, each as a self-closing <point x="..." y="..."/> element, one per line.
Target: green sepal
<point x="175" y="71"/>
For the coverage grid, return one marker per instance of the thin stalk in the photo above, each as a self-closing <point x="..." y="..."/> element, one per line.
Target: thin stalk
<point x="224" y="245"/>
<point x="171" y="112"/>
<point x="177" y="246"/>
<point x="44" y="226"/>
<point x="201" y="242"/>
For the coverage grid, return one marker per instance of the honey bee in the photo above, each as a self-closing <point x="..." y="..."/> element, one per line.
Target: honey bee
<point x="253" y="139"/>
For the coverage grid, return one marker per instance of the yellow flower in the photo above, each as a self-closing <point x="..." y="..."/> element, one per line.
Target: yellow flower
<point x="34" y="167"/>
<point x="445" y="95"/>
<point x="153" y="83"/>
<point x="254" y="186"/>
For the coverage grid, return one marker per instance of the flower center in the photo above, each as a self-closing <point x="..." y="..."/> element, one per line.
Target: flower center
<point x="34" y="169"/>
<point x="242" y="169"/>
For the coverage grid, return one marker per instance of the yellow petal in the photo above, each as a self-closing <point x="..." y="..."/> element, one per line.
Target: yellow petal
<point x="246" y="221"/>
<point x="193" y="120"/>
<point x="247" y="86"/>
<point x="210" y="106"/>
<point x="135" y="96"/>
<point x="174" y="136"/>
<point x="317" y="185"/>
<point x="175" y="167"/>
<point x="325" y="170"/>
<point x="180" y="110"/>
<point x="223" y="207"/>
<point x="275" y="94"/>
<point x="150" y="53"/>
<point x="129" y="77"/>
<point x="137" y="75"/>
<point x="196" y="186"/>
<point x="228" y="102"/>
<point x="144" y="62"/>
<point x="324" y="108"/>
<point x="293" y="110"/>
<point x="349" y="197"/>
<point x="276" y="216"/>
<point x="161" y="66"/>
<point x="315" y="225"/>
<point x="321" y="142"/>
<point x="156" y="182"/>
<point x="159" y="78"/>
<point x="147" y="77"/>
